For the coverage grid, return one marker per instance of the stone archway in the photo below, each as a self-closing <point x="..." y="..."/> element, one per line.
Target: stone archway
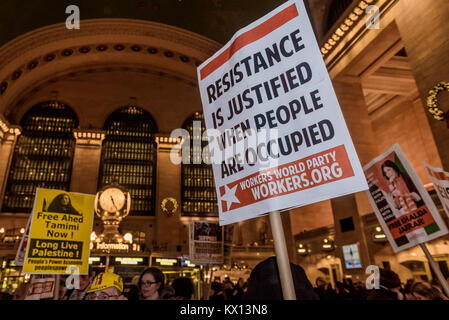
<point x="33" y="63"/>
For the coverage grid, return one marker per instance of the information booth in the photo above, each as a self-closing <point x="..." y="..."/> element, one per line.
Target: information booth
<point x="123" y="259"/>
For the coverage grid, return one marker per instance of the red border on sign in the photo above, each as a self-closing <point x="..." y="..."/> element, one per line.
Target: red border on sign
<point x="250" y="36"/>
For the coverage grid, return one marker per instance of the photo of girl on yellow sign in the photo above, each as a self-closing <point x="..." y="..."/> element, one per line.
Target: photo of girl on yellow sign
<point x="60" y="232"/>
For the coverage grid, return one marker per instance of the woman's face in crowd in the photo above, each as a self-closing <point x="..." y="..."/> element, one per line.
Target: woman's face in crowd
<point x="84" y="281"/>
<point x="148" y="285"/>
<point x="65" y="200"/>
<point x="390" y="173"/>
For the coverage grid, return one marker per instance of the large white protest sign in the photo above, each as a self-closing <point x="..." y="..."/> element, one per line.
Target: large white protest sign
<point x="440" y="180"/>
<point x="277" y="135"/>
<point x="402" y="205"/>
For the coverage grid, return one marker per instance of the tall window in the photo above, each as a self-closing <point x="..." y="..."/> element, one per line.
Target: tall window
<point x="197" y="181"/>
<point x="43" y="155"/>
<point x="129" y="157"/>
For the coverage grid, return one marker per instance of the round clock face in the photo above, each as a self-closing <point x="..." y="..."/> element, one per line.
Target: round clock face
<point x="112" y="200"/>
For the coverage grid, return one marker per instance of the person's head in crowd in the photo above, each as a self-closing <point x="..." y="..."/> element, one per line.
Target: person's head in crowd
<point x="21" y="291"/>
<point x="79" y="288"/>
<point x="423" y="291"/>
<point x="228" y="285"/>
<point x="106" y="286"/>
<point x="226" y="280"/>
<point x="6" y="296"/>
<point x="320" y="282"/>
<point x="86" y="279"/>
<point x="62" y="289"/>
<point x="264" y="282"/>
<point x="183" y="288"/>
<point x="167" y="293"/>
<point x="241" y="282"/>
<point x="132" y="291"/>
<point x="215" y="288"/>
<point x="348" y="283"/>
<point x="389" y="280"/>
<point x="340" y="287"/>
<point x="436" y="283"/>
<point x="151" y="283"/>
<point x="408" y="290"/>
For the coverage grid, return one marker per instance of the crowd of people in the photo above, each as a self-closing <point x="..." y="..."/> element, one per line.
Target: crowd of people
<point x="263" y="284"/>
<point x="389" y="287"/>
<point x="151" y="284"/>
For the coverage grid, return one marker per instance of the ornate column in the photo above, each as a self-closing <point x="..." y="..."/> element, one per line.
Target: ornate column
<point x="86" y="160"/>
<point x="424" y="29"/>
<point x="170" y="229"/>
<point x="348" y="209"/>
<point x="8" y="138"/>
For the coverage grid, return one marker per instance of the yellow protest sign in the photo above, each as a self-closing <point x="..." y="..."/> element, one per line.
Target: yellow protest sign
<point x="60" y="232"/>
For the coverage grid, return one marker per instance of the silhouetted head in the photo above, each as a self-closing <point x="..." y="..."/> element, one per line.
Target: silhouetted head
<point x="183" y="287"/>
<point x="264" y="282"/>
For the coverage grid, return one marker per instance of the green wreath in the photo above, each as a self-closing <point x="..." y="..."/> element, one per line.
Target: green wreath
<point x="432" y="101"/>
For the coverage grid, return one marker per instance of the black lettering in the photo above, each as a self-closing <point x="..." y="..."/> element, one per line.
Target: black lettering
<point x="304" y="78"/>
<point x="238" y="73"/>
<point x="259" y="62"/>
<point x="297" y="140"/>
<point x="226" y="83"/>
<point x="273" y="55"/>
<point x="296" y="40"/>
<point x="260" y="121"/>
<point x="313" y="134"/>
<point x="295" y="108"/>
<point x="211" y="93"/>
<point x="267" y="90"/>
<point x="282" y="47"/>
<point x="257" y="90"/>
<point x="283" y="151"/>
<point x="316" y="99"/>
<point x="271" y="119"/>
<point x="247" y="67"/>
<point x="274" y="86"/>
<point x="326" y="134"/>
<point x="218" y="86"/>
<point x="224" y="170"/>
<point x="247" y="99"/>
<point x="279" y="116"/>
<point x="304" y="106"/>
<point x="291" y="78"/>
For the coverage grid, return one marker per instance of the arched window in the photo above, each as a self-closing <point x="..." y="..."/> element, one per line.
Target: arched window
<point x="336" y="9"/>
<point x="129" y="157"/>
<point x="43" y="155"/>
<point x="198" y="196"/>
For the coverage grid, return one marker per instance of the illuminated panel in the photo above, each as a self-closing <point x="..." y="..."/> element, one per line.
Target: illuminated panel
<point x="43" y="155"/>
<point x="198" y="196"/>
<point x="133" y="261"/>
<point x="129" y="157"/>
<point x="165" y="262"/>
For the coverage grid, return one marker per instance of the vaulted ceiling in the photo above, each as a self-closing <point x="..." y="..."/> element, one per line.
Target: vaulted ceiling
<point x="215" y="19"/>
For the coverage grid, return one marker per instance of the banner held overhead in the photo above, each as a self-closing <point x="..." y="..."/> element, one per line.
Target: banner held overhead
<point x="402" y="205"/>
<point x="276" y="133"/>
<point x="60" y="232"/>
<point x="440" y="180"/>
